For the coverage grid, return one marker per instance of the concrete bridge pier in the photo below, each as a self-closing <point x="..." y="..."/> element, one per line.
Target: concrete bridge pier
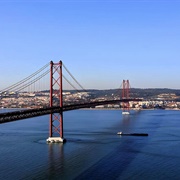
<point x="56" y="140"/>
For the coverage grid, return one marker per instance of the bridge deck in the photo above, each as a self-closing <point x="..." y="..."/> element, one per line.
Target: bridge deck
<point x="29" y="113"/>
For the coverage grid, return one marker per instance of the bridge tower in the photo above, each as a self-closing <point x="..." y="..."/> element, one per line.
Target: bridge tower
<point x="125" y="95"/>
<point x="56" y="99"/>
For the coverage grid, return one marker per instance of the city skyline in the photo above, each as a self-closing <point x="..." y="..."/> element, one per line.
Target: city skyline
<point x="100" y="42"/>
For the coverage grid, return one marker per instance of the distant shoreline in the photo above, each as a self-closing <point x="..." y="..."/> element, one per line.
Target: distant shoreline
<point x="174" y="109"/>
<point x="130" y="109"/>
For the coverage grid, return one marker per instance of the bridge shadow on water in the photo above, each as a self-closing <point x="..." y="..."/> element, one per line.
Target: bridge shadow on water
<point x="113" y="164"/>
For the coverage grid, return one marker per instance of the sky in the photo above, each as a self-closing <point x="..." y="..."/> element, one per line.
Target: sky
<point x="101" y="42"/>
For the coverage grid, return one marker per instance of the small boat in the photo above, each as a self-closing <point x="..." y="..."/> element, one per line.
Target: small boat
<point x="125" y="113"/>
<point x="119" y="133"/>
<point x="132" y="134"/>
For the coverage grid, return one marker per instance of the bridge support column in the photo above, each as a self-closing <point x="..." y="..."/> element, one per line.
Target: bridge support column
<point x="125" y="95"/>
<point x="56" y="98"/>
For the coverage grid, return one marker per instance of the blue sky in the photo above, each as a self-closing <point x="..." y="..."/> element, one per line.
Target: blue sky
<point x="100" y="42"/>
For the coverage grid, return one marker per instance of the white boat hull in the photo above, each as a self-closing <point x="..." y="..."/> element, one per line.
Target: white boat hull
<point x="125" y="113"/>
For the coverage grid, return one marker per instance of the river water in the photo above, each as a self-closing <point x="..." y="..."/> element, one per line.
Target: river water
<point x="93" y="149"/>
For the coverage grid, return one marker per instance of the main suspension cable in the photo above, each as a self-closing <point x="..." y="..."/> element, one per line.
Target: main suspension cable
<point x="74" y="78"/>
<point x="24" y="80"/>
<point x="33" y="81"/>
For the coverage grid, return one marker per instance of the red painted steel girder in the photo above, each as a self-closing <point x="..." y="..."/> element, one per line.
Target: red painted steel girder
<point x="125" y="94"/>
<point x="56" y="122"/>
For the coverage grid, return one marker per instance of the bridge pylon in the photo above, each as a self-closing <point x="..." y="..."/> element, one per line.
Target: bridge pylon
<point x="56" y="98"/>
<point x="125" y="95"/>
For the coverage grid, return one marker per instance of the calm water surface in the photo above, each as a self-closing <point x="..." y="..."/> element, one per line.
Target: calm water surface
<point x="93" y="149"/>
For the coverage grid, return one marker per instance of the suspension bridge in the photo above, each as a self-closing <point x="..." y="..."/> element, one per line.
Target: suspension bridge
<point x="32" y="92"/>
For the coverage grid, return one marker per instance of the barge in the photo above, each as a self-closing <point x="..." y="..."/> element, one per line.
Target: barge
<point x="132" y="134"/>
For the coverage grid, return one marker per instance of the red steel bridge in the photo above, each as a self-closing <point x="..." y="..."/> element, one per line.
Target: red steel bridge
<point x="58" y="100"/>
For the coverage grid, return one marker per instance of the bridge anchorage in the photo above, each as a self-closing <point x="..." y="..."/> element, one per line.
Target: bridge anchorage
<point x="56" y="119"/>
